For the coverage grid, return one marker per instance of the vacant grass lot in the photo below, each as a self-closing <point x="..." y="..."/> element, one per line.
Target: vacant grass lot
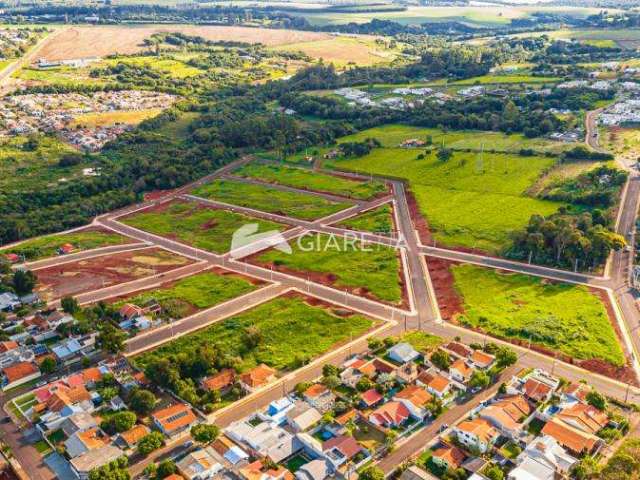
<point x="166" y="65"/>
<point x="202" y="227"/>
<point x="47" y="246"/>
<point x="378" y="220"/>
<point x="198" y="292"/>
<point x="102" y="119"/>
<point x="393" y="134"/>
<point x="297" y="205"/>
<point x="562" y="317"/>
<point x="470" y="200"/>
<point x="422" y="341"/>
<point x="370" y="267"/>
<point x="310" y="180"/>
<point x="292" y="332"/>
<point x="505" y="79"/>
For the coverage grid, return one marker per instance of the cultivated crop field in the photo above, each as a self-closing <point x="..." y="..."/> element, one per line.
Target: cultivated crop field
<point x="472" y="200"/>
<point x="378" y="220"/>
<point x="86" y="275"/>
<point x="314" y="181"/>
<point x="100" y="41"/>
<point x="292" y="330"/>
<point x="202" y="227"/>
<point x="268" y="199"/>
<point x="370" y="270"/>
<point x="47" y="246"/>
<point x="562" y="317"/>
<point x="198" y="292"/>
<point x="393" y="134"/>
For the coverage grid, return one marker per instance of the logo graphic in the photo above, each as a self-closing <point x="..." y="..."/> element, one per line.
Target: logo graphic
<point x="247" y="240"/>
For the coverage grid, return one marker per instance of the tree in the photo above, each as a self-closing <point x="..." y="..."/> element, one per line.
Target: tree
<point x="329" y="370"/>
<point x="69" y="305"/>
<point x="597" y="400"/>
<point x="48" y="365"/>
<point x="24" y="281"/>
<point x="252" y="337"/>
<point x="204" y="433"/>
<point x="116" y="470"/>
<point x="494" y="473"/>
<point x="441" y="359"/>
<point x="444" y="154"/>
<point x="165" y="468"/>
<point x="150" y="442"/>
<point x="505" y="357"/>
<point x="479" y="379"/>
<point x="371" y="473"/>
<point x="119" y="422"/>
<point x="364" y="384"/>
<point x="142" y="402"/>
<point x="435" y="406"/>
<point x="301" y="387"/>
<point x="331" y="382"/>
<point x="374" y="344"/>
<point x="111" y="339"/>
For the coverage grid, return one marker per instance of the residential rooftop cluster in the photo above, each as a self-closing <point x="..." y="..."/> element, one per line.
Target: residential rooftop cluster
<point x="62" y="113"/>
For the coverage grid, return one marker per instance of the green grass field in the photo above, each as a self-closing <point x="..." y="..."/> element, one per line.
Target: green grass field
<point x="23" y="169"/>
<point x="166" y="65"/>
<point x="202" y="227"/>
<point x="197" y="292"/>
<point x="371" y="267"/>
<point x="562" y="317"/>
<point x="378" y="220"/>
<point x="293" y="204"/>
<point x="310" y="180"/>
<point x="505" y="79"/>
<point x="422" y="341"/>
<point x="44" y="247"/>
<point x="393" y="134"/>
<point x="470" y="200"/>
<point x="292" y="331"/>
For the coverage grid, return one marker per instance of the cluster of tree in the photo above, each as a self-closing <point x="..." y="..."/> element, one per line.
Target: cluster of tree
<point x="623" y="465"/>
<point x="180" y="372"/>
<point x="359" y="149"/>
<point x="21" y="282"/>
<point x="597" y="188"/>
<point x="581" y="152"/>
<point x="565" y="240"/>
<point x="116" y="470"/>
<point x="562" y="52"/>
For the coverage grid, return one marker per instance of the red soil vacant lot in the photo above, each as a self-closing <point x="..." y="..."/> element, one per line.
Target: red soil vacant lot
<point x="86" y="275"/>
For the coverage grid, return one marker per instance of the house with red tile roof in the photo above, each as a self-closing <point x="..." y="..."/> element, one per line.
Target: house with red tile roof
<point x="129" y="311"/>
<point x="370" y="398"/>
<point x="174" y="419"/>
<point x="390" y="415"/>
<point x="459" y="349"/>
<point x="460" y="371"/>
<point x="415" y="398"/>
<point x="536" y="391"/>
<point x="19" y="374"/>
<point x="481" y="360"/>
<point x="82" y="442"/>
<point x="448" y="457"/>
<point x="574" y="440"/>
<point x="7" y="346"/>
<point x="584" y="417"/>
<point x="508" y="414"/>
<point x="257" y="377"/>
<point x="341" y="449"/>
<point x="13" y="257"/>
<point x="477" y="434"/>
<point x="435" y="383"/>
<point x="221" y="381"/>
<point x="319" y="397"/>
<point x="66" y="248"/>
<point x="131" y="437"/>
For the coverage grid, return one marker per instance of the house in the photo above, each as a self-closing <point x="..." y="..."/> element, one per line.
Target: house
<point x="303" y="416"/>
<point x="264" y="439"/>
<point x="258" y="471"/>
<point x="575" y="392"/>
<point x="370" y="398"/>
<point x="508" y="415"/>
<point x="407" y="373"/>
<point x="8" y="301"/>
<point x="416" y="473"/>
<point x="341" y="449"/>
<point x="415" y="399"/>
<point x="93" y="459"/>
<point x="12" y="257"/>
<point x="19" y="374"/>
<point x="257" y="377"/>
<point x="173" y="419"/>
<point x="460" y="371"/>
<point x="231" y="452"/>
<point x="481" y="360"/>
<point x="116" y="404"/>
<point x="477" y="433"/>
<point x="221" y="381"/>
<point x="319" y="397"/>
<point x="402" y="353"/>
<point x="390" y="415"/>
<point x="82" y="442"/>
<point x="314" y="470"/>
<point x="584" y="417"/>
<point x="199" y="465"/>
<point x="129" y="311"/>
<point x="277" y="410"/>
<point x="543" y="458"/>
<point x="131" y="437"/>
<point x="78" y="422"/>
<point x="435" y="384"/>
<point x="65" y="249"/>
<point x="351" y="373"/>
<point x="8" y="346"/>
<point x="448" y="457"/>
<point x="536" y="391"/>
<point x="574" y="440"/>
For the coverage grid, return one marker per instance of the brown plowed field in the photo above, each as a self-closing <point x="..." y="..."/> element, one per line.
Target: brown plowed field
<point x="86" y="275"/>
<point x="100" y="41"/>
